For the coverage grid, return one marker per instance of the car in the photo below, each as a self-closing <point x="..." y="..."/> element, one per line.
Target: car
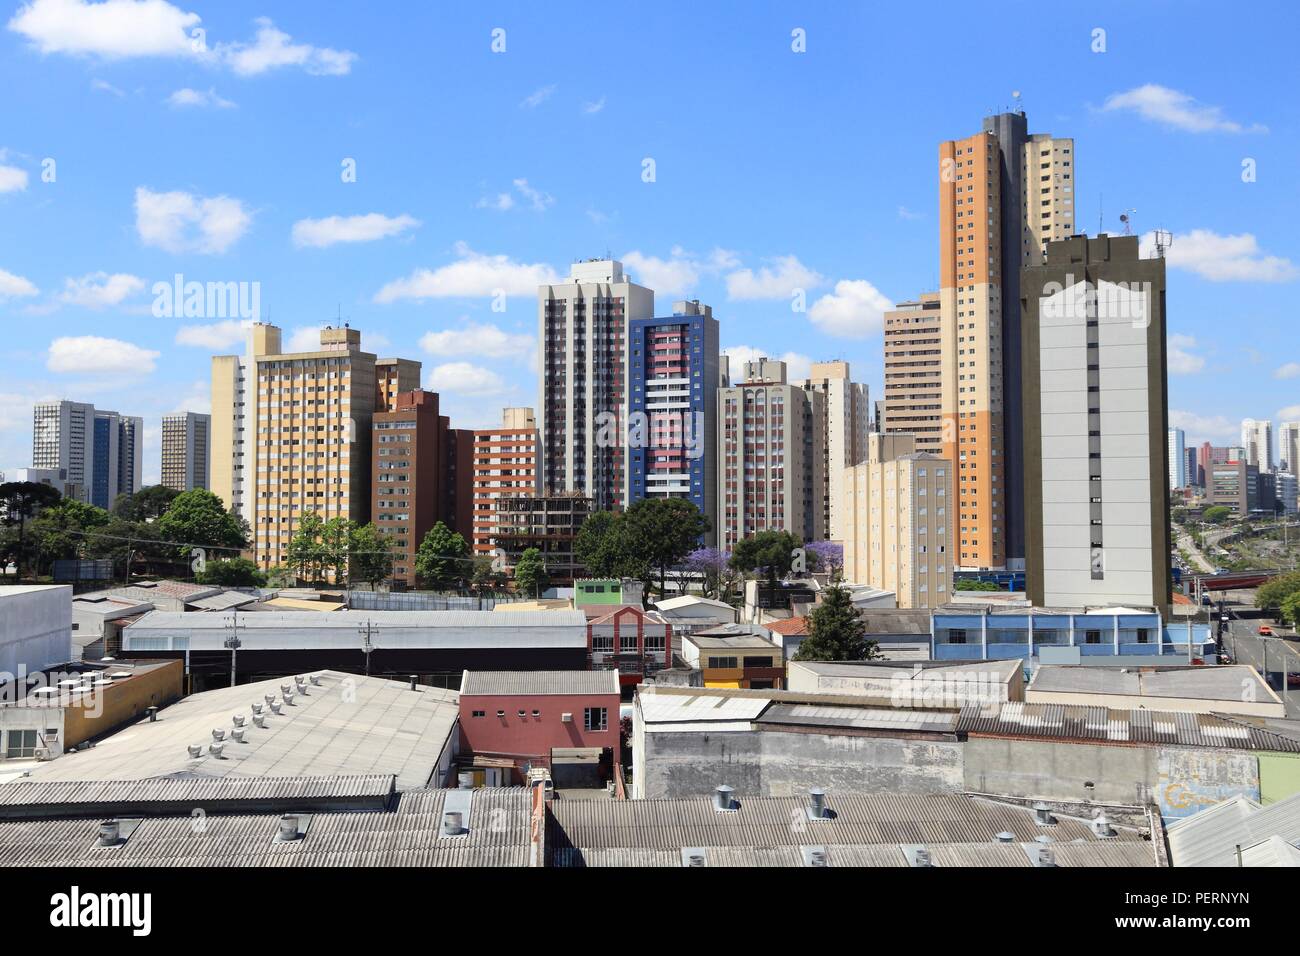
<point x="1265" y="631"/>
<point x="1293" y="680"/>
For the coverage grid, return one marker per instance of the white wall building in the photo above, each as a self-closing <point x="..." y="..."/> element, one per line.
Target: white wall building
<point x="35" y="628"/>
<point x="1257" y="440"/>
<point x="846" y="420"/>
<point x="1177" y="459"/>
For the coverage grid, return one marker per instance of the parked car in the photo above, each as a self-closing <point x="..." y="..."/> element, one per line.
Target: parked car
<point x="1265" y="631"/>
<point x="1293" y="680"/>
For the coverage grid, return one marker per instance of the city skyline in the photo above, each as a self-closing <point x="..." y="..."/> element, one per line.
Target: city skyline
<point x="550" y="168"/>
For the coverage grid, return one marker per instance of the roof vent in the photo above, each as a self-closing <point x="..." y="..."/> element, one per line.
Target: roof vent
<point x="258" y="708"/>
<point x="723" y="801"/>
<point x="110" y="833"/>
<point x="237" y="720"/>
<point x="215" y="749"/>
<point x="1043" y="815"/>
<point x="1005" y="837"/>
<point x="414" y="681"/>
<point x="196" y="750"/>
<point x="921" y="857"/>
<point x="694" y="856"/>
<point x="286" y="691"/>
<point x="275" y="706"/>
<point x="288" y="828"/>
<point x="1045" y="857"/>
<point x="237" y="735"/>
<point x="817" y="809"/>
<point x="218" y="733"/>
<point x="1101" y="827"/>
<point x="315" y="678"/>
<point x="453" y="823"/>
<point x="816" y="856"/>
<point x="259" y="720"/>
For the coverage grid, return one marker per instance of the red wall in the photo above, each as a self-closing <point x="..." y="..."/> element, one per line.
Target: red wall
<point x="531" y="736"/>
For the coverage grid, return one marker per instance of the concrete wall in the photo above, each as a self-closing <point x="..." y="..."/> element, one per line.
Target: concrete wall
<point x="35" y="628"/>
<point x="1189" y="781"/>
<point x="781" y="763"/>
<point x="1279" y="776"/>
<point x="1055" y="770"/>
<point x="123" y="702"/>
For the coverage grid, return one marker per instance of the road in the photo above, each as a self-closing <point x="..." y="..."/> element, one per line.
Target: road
<point x="1246" y="647"/>
<point x="1186" y="543"/>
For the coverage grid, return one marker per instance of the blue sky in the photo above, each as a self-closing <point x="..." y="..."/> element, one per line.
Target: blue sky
<point x="479" y="170"/>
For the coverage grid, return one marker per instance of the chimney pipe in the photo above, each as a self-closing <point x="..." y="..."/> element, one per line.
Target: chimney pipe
<point x="315" y="678"/>
<point x="817" y="803"/>
<point x="237" y="720"/>
<point x="452" y="823"/>
<point x="110" y="833"/>
<point x="1045" y="857"/>
<point x="722" y="799"/>
<point x="152" y="712"/>
<point x="218" y="733"/>
<point x="288" y="827"/>
<point x="413" y="678"/>
<point x="1043" y="815"/>
<point x="237" y="735"/>
<point x="1101" y="826"/>
<point x="216" y="749"/>
<point x="275" y="706"/>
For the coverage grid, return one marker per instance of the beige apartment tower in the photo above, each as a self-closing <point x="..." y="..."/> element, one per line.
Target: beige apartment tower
<point x="186" y="450"/>
<point x="505" y="465"/>
<point x="845" y="419"/>
<point x="291" y="432"/>
<point x="914" y="372"/>
<point x="895" y="522"/>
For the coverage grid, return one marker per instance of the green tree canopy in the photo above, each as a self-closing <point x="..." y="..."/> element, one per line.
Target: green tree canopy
<point x="63" y="530"/>
<point x="661" y="532"/>
<point x="20" y="501"/>
<point x="147" y="504"/>
<point x="198" y="519"/>
<point x="1274" y="592"/>
<point x="442" y="560"/>
<point x="232" y="573"/>
<point x="530" y="573"/>
<point x="836" y="632"/>
<point x="1216" y="514"/>
<point x="370" y="555"/>
<point x="306" y="554"/>
<point x="768" y="552"/>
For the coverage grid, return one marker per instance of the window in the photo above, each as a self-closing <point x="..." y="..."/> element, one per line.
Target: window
<point x="594" y="718"/>
<point x="22" y="743"/>
<point x="1144" y="635"/>
<point x="758" y="662"/>
<point x="727" y="662"/>
<point x="480" y="713"/>
<point x="1092" y="637"/>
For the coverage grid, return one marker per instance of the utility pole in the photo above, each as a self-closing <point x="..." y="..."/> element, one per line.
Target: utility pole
<point x="233" y="642"/>
<point x="366" y="631"/>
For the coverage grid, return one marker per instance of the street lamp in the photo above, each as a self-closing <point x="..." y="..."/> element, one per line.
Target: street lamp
<point x="233" y="643"/>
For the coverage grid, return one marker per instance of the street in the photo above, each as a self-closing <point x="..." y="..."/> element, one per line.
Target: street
<point x="1247" y="647"/>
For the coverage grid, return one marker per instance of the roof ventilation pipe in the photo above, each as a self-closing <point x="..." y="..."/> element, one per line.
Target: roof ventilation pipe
<point x="1043" y="815"/>
<point x="110" y="833"/>
<point x="453" y="823"/>
<point x="817" y="804"/>
<point x="1005" y="837"/>
<point x="1101" y="827"/>
<point x="723" y="799"/>
<point x="288" y="827"/>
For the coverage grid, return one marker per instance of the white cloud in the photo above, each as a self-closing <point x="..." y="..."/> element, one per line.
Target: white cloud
<point x="114" y="29"/>
<point x="319" y="233"/>
<point x="1289" y="370"/>
<point x="680" y="272"/>
<point x="1223" y="258"/>
<point x="273" y="48"/>
<point x="536" y="197"/>
<point x="484" y="341"/>
<point x="1182" y="361"/>
<point x="905" y="213"/>
<point x="14" y="287"/>
<point x="778" y="281"/>
<point x="1289" y="414"/>
<point x="594" y="106"/>
<point x="854" y="310"/>
<point x="103" y="86"/>
<point x="472" y="274"/>
<point x="197" y="399"/>
<point x="538" y="97"/>
<point x="1199" y="428"/>
<point x="91" y="353"/>
<point x="12" y="179"/>
<point x="186" y="98"/>
<point x="215" y="336"/>
<point x="797" y="365"/>
<point x="501" y="202"/>
<point x="465" y="379"/>
<point x="99" y="289"/>
<point x="1177" y="110"/>
<point x="164" y="220"/>
<point x="121" y="29"/>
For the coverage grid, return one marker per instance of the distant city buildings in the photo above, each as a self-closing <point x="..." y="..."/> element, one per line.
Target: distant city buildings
<point x="845" y="410"/>
<point x="1177" y="459"/>
<point x="1288" y="446"/>
<point x="100" y="452"/>
<point x="505" y="464"/>
<point x="913" y="399"/>
<point x="1257" y="440"/>
<point x="186" y="450"/>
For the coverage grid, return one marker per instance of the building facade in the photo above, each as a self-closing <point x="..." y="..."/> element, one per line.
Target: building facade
<point x="406" y="476"/>
<point x="548" y="523"/>
<point x="895" y="522"/>
<point x="913" y="400"/>
<point x="769" y="462"/>
<point x="505" y="463"/>
<point x="845" y="410"/>
<point x="583" y="326"/>
<point x="1288" y="446"/>
<point x="1003" y="196"/>
<point x="100" y="452"/>
<point x="1096" y="426"/>
<point x="1257" y="440"/>
<point x="186" y="450"/>
<point x="673" y="379"/>
<point x="1177" y="452"/>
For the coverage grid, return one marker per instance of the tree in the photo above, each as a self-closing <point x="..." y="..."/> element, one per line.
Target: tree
<point x="712" y="567"/>
<point x="836" y="632"/>
<point x="1289" y="612"/>
<point x="442" y="560"/>
<point x="19" y="501"/>
<point x="63" y="531"/>
<point x="530" y="573"/>
<point x="1216" y="514"/>
<point x="1274" y="592"/>
<point x="597" y="545"/>
<point x="148" y="504"/>
<point x="198" y="519"/>
<point x="335" y="540"/>
<point x="485" y="575"/>
<point x="370" y="555"/>
<point x="826" y="557"/>
<point x="232" y="573"/>
<point x="305" y="554"/>
<point x="768" y="552"/>
<point x="661" y="532"/>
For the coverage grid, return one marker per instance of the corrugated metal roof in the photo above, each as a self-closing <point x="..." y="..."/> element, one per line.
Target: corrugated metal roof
<point x="1076" y="722"/>
<point x="346" y="725"/>
<point x="498" y="824"/>
<point x="1223" y="682"/>
<point x="1211" y="837"/>
<point x="672" y="708"/>
<point x="876" y="718"/>
<point x="532" y="683"/>
<point x="348" y="619"/>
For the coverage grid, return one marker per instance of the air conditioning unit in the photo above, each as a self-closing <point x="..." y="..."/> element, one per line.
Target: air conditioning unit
<point x="43" y="753"/>
<point x="566" y="718"/>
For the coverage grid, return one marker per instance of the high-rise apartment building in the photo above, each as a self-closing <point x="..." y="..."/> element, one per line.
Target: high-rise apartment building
<point x="583" y="325"/>
<point x="1257" y="440"/>
<point x="894" y="522"/>
<point x="186" y="450"/>
<point x="1003" y="196"/>
<point x="673" y="379"/>
<point x="1177" y="459"/>
<point x="846" y="421"/>
<point x="406" y="477"/>
<point x="1234" y="484"/>
<point x="505" y="464"/>
<point x="913" y="400"/>
<point x="1288" y="446"/>
<point x="101" y="451"/>
<point x="1194" y="477"/>
<point x="291" y="432"/>
<point x="1287" y="491"/>
<point x="1096" y="426"/>
<point x="769" y="461"/>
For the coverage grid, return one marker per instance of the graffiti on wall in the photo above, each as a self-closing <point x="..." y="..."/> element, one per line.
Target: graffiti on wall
<point x="1191" y="780"/>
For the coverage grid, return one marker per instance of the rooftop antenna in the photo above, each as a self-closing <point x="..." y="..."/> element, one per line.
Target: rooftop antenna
<point x="1101" y="213"/>
<point x="1164" y="240"/>
<point x="1015" y="96"/>
<point x="1126" y="217"/>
